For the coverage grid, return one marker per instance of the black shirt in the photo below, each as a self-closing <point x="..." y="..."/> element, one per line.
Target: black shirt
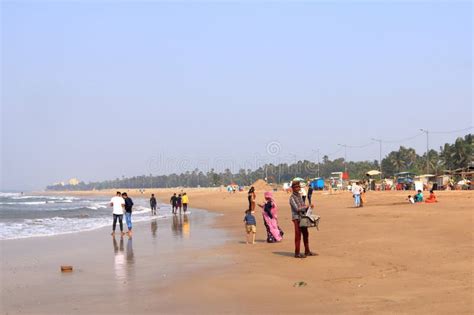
<point x="128" y="205"/>
<point x="174" y="200"/>
<point x="152" y="201"/>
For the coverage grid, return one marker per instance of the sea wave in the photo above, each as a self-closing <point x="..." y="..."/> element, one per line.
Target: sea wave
<point x="57" y="225"/>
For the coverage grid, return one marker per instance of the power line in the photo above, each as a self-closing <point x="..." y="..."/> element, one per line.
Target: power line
<point x="452" y="131"/>
<point x="404" y="139"/>
<point x="337" y="151"/>
<point x="360" y="146"/>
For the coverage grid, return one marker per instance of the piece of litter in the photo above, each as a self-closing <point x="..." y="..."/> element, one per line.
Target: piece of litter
<point x="300" y="284"/>
<point x="66" y="268"/>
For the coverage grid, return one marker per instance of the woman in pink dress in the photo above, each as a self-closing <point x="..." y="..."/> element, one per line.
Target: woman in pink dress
<point x="270" y="219"/>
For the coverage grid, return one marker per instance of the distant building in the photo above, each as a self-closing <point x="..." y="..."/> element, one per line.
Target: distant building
<point x="74" y="182"/>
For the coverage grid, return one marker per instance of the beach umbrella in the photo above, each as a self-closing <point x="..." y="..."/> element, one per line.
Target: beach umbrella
<point x="298" y="179"/>
<point x="372" y="173"/>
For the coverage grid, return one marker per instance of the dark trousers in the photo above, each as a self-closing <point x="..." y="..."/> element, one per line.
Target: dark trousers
<point x="153" y="209"/>
<point x="304" y="198"/>
<point x="298" y="231"/>
<point x="185" y="207"/>
<point x="120" y="218"/>
<point x="309" y="199"/>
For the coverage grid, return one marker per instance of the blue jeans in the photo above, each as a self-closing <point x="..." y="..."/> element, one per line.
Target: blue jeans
<point x="128" y="218"/>
<point x="357" y="200"/>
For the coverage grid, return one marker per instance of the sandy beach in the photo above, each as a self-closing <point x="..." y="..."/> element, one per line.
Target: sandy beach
<point x="387" y="257"/>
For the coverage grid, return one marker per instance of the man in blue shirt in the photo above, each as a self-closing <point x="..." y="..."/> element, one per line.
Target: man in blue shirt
<point x="128" y="212"/>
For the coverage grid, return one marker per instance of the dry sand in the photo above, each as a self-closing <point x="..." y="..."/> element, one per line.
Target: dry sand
<point x="387" y="257"/>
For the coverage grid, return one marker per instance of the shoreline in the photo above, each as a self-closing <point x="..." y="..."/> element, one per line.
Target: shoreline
<point x="388" y="257"/>
<point x="152" y="260"/>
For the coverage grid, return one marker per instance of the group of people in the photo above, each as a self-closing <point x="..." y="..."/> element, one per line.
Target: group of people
<point x="122" y="205"/>
<point x="299" y="209"/>
<point x="419" y="197"/>
<point x="358" y="193"/>
<point x="270" y="218"/>
<point x="179" y="202"/>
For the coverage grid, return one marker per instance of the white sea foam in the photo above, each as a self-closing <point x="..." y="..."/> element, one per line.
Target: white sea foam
<point x="37" y="227"/>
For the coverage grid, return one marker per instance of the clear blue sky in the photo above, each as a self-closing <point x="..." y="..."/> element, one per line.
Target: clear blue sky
<point x="97" y="91"/>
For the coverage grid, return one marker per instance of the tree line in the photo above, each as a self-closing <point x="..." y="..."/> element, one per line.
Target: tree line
<point x="449" y="157"/>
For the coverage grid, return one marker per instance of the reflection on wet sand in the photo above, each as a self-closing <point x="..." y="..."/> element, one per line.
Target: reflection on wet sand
<point x="186" y="226"/>
<point x="123" y="264"/>
<point x="119" y="262"/>
<point x="177" y="226"/>
<point x="181" y="226"/>
<point x="130" y="256"/>
<point x="154" y="227"/>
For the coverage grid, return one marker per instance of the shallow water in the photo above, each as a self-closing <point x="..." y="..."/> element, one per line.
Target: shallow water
<point x="23" y="216"/>
<point x="160" y="252"/>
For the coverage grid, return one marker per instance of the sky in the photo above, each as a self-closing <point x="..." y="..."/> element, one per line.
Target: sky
<point x="110" y="89"/>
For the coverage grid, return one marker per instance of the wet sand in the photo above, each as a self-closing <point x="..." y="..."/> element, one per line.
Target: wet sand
<point x="387" y="257"/>
<point x="111" y="274"/>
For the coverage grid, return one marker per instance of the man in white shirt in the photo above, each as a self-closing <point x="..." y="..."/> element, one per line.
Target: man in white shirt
<point x="118" y="204"/>
<point x="356" y="191"/>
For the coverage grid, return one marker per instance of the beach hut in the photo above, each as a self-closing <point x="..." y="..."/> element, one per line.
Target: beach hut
<point x="337" y="180"/>
<point x="427" y="180"/>
<point x="442" y="182"/>
<point x="370" y="179"/>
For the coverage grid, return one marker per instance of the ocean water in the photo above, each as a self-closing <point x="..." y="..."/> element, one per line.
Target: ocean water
<point x="23" y="215"/>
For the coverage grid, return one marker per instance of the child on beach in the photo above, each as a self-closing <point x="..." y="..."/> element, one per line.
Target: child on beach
<point x="250" y="226"/>
<point x="419" y="196"/>
<point x="411" y="199"/>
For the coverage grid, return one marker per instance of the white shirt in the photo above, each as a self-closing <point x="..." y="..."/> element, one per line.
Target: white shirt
<point x="303" y="192"/>
<point x="117" y="203"/>
<point x="356" y="189"/>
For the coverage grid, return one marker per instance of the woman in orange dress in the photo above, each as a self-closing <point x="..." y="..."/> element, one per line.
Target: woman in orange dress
<point x="431" y="198"/>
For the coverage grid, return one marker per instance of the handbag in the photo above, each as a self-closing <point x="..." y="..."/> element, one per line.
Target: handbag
<point x="311" y="220"/>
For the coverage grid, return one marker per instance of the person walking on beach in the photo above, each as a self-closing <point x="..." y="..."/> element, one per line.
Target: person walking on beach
<point x="153" y="204"/>
<point x="356" y="191"/>
<point x="174" y="203"/>
<point x="310" y="193"/>
<point x="185" y="201"/>
<point x="298" y="208"/>
<point x="118" y="204"/>
<point x="270" y="219"/>
<point x="251" y="197"/>
<point x="128" y="212"/>
<point x="179" y="202"/>
<point x="303" y="194"/>
<point x="250" y="226"/>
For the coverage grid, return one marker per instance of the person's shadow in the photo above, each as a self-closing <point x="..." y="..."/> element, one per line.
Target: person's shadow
<point x="285" y="254"/>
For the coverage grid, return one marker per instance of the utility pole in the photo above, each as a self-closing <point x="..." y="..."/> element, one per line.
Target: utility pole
<point x="380" y="155"/>
<point x="296" y="163"/>
<point x="427" y="151"/>
<point x="345" y="156"/>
